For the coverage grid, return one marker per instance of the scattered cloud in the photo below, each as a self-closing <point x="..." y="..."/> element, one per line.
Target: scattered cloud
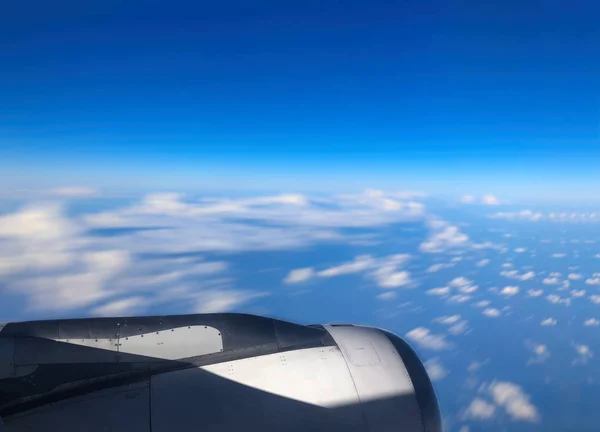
<point x="584" y="354"/>
<point x="426" y="340"/>
<point x="594" y="280"/>
<point x="527" y="215"/>
<point x="119" y="307"/>
<point x="441" y="291"/>
<point x="448" y="320"/>
<point x="435" y="369"/>
<point x="539" y="350"/>
<point x="535" y="293"/>
<point x="520" y="250"/>
<point x="492" y="312"/>
<point x="514" y="274"/>
<point x="299" y="275"/>
<point x="595" y="298"/>
<point x="591" y="322"/>
<point x="575" y="276"/>
<point x="509" y="291"/>
<point x="479" y="409"/>
<point x="386" y="271"/>
<point x="214" y="301"/>
<point x="459" y="298"/>
<point x="482" y="263"/>
<point x="437" y="267"/>
<point x="483" y="303"/>
<point x="490" y="200"/>
<point x="442" y="237"/>
<point x="514" y="400"/>
<point x="75" y="192"/>
<point x="459" y="328"/>
<point x="548" y="322"/>
<point x="468" y="199"/>
<point x="388" y="295"/>
<point x="531" y="216"/>
<point x="551" y="281"/>
<point x="553" y="298"/>
<point x="578" y="293"/>
<point x="559" y="255"/>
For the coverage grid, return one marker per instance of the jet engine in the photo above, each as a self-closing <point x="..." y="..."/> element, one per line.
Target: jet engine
<point x="210" y="372"/>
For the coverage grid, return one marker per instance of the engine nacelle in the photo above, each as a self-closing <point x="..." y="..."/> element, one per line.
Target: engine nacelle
<point x="210" y="372"/>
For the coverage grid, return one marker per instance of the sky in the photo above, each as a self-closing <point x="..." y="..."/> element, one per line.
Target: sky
<point x="427" y="167"/>
<point x="438" y="96"/>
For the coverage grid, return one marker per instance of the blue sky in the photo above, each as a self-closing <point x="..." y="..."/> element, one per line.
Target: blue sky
<point x="447" y="97"/>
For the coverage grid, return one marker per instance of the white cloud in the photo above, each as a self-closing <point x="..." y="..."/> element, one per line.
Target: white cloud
<point x="119" y="307"/>
<point x="425" y="339"/>
<point x="548" y="322"/>
<point x="491" y="312"/>
<point x="214" y="301"/>
<point x="509" y="291"/>
<point x="527" y="215"/>
<point x="520" y="250"/>
<point x="389" y="295"/>
<point x="435" y="369"/>
<point x="490" y="200"/>
<point x="514" y="274"/>
<point x="595" y="298"/>
<point x="591" y="322"/>
<point x="553" y="298"/>
<point x="584" y="353"/>
<point x="559" y="255"/>
<point x="448" y="320"/>
<point x="459" y="298"/>
<point x="551" y="281"/>
<point x="514" y="400"/>
<point x="541" y="352"/>
<point x="575" y="276"/>
<point x="483" y="303"/>
<point x="443" y="236"/>
<point x="437" y="267"/>
<point x="479" y="409"/>
<point x="74" y="192"/>
<point x="593" y="281"/>
<point x="299" y="275"/>
<point x="460" y="282"/>
<point x="467" y="199"/>
<point x="535" y="293"/>
<point x="459" y="328"/>
<point x="484" y="245"/>
<point x="441" y="291"/>
<point x="63" y="262"/>
<point x="386" y="270"/>
<point x="482" y="263"/>
<point x="578" y="293"/>
<point x="360" y="263"/>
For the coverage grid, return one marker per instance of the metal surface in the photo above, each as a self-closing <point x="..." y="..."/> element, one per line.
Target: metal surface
<point x="296" y="391"/>
<point x="213" y="372"/>
<point x="7" y="355"/>
<point x="175" y="343"/>
<point x="118" y="409"/>
<point x="316" y="376"/>
<point x="379" y="373"/>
